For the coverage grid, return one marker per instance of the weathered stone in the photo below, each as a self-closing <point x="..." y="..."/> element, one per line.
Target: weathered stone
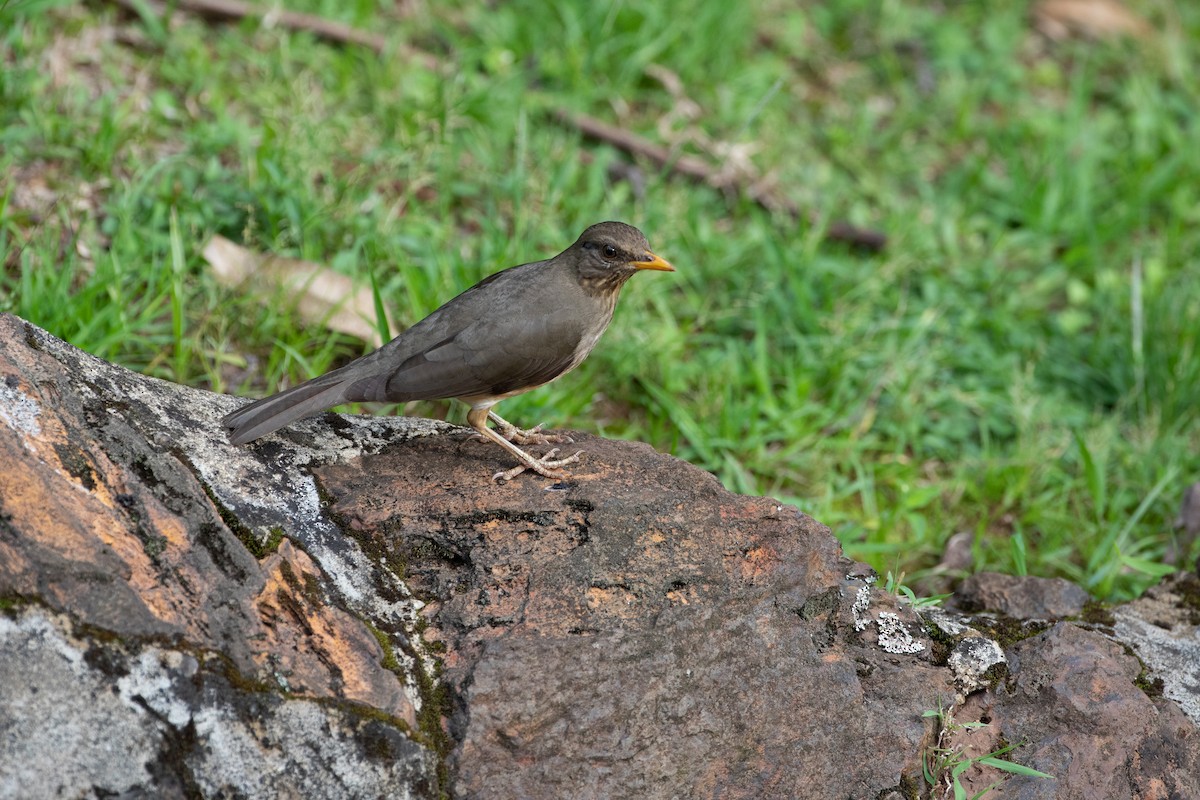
<point x="976" y="662"/>
<point x="80" y="717"/>
<point x="1073" y="705"/>
<point x="1187" y="526"/>
<point x="1020" y="597"/>
<point x="1163" y="628"/>
<point x="107" y="515"/>
<point x="636" y="631"/>
<point x="352" y="608"/>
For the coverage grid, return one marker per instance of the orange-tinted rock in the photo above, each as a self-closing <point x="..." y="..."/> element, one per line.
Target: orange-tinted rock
<point x="179" y="617"/>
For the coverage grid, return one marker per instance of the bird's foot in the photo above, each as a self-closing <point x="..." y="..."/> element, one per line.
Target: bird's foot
<point x="547" y="466"/>
<point x="532" y="436"/>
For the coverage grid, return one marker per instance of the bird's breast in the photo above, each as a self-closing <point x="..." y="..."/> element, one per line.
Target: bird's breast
<point x="590" y="335"/>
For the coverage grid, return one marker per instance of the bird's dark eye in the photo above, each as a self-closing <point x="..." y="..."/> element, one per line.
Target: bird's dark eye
<point x="610" y="251"/>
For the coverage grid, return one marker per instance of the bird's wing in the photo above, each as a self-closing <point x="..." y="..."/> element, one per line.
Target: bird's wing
<point x="487" y="357"/>
<point x="509" y="336"/>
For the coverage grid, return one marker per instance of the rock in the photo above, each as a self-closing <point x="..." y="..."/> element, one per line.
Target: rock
<point x="1163" y="628"/>
<point x="1073" y="705"/>
<point x="1188" y="526"/>
<point x="607" y="636"/>
<point x="1024" y="597"/>
<point x="957" y="559"/>
<point x="123" y="512"/>
<point x="352" y="608"/>
<point x="1189" y="512"/>
<point x="977" y="662"/>
<point x="94" y="718"/>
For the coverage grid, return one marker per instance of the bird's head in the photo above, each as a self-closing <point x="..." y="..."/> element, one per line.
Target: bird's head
<point x="609" y="253"/>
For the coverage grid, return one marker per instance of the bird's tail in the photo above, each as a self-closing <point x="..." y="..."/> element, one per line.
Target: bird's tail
<point x="271" y="413"/>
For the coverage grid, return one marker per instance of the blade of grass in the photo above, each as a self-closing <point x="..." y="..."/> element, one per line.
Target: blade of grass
<point x="182" y="350"/>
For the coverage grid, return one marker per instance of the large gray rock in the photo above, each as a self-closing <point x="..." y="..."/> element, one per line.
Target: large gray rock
<point x="82" y="717"/>
<point x="351" y="608"/>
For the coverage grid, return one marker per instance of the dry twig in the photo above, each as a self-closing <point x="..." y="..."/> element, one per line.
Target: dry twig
<point x="732" y="181"/>
<point x="293" y="20"/>
<point x="700" y="170"/>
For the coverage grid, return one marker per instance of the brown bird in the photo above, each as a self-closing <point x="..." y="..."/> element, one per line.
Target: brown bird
<point x="513" y="331"/>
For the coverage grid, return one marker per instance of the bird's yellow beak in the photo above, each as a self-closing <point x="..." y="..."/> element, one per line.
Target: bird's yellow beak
<point x="654" y="262"/>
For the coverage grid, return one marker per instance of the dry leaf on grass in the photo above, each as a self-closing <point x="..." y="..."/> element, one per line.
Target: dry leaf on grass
<point x="321" y="295"/>
<point x="1095" y="19"/>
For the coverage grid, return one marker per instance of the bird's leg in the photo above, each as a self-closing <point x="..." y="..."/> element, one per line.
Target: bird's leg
<point x="546" y="466"/>
<point x="532" y="436"/>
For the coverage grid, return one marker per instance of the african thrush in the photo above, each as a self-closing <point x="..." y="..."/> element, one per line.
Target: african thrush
<point x="513" y="331"/>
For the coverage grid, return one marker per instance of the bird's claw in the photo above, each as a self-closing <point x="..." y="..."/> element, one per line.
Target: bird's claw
<point x="532" y="436"/>
<point x="546" y="466"/>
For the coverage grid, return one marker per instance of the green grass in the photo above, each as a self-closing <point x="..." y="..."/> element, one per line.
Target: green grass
<point x="1021" y="361"/>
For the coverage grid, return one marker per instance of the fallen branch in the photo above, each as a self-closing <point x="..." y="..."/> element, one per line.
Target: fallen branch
<point x="700" y="170"/>
<point x="689" y="166"/>
<point x="320" y="27"/>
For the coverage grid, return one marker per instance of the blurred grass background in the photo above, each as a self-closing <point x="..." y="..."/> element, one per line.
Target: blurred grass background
<point x="1020" y="362"/>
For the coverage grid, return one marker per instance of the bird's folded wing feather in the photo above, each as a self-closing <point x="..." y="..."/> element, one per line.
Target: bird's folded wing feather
<point x="480" y="343"/>
<point x="488" y="357"/>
